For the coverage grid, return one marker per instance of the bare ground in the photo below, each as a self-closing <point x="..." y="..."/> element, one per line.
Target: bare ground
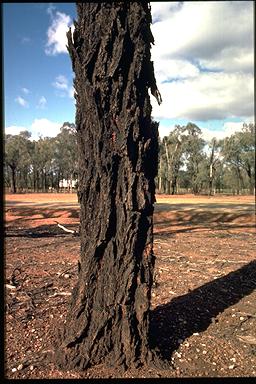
<point x="203" y="318"/>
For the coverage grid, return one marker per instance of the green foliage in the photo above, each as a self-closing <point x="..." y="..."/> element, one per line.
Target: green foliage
<point x="40" y="164"/>
<point x="65" y="151"/>
<point x="193" y="151"/>
<point x="16" y="157"/>
<point x="238" y="151"/>
<point x="187" y="162"/>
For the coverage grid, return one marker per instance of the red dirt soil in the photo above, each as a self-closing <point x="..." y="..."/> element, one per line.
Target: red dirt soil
<point x="203" y="318"/>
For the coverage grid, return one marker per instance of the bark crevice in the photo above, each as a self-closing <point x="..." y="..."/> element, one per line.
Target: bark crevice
<point x="108" y="320"/>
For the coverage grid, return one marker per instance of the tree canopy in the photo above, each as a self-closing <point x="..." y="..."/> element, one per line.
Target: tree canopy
<point x="186" y="163"/>
<point x="39" y="165"/>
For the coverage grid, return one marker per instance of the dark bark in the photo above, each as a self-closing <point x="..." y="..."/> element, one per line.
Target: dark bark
<point x="13" y="175"/>
<point x="251" y="179"/>
<point x="37" y="181"/>
<point x="108" y="321"/>
<point x="168" y="168"/>
<point x="174" y="183"/>
<point x="240" y="182"/>
<point x="58" y="182"/>
<point x="211" y="168"/>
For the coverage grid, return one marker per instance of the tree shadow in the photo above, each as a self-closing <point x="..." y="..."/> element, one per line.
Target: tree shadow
<point x="194" y="216"/>
<point x="189" y="228"/>
<point x="49" y="211"/>
<point x="40" y="231"/>
<point x="163" y="207"/>
<point x="194" y="312"/>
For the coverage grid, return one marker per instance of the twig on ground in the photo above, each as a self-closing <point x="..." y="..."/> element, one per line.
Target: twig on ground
<point x="60" y="294"/>
<point x="36" y="291"/>
<point x="246" y="314"/>
<point x="75" y="233"/>
<point x="9" y="286"/>
<point x="161" y="242"/>
<point x="247" y="339"/>
<point x="13" y="277"/>
<point x="231" y="261"/>
<point x="39" y="358"/>
<point x="67" y="270"/>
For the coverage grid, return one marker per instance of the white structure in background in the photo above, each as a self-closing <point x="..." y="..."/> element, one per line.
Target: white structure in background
<point x="67" y="183"/>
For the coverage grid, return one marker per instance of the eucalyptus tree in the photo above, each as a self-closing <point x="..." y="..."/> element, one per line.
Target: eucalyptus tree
<point x="16" y="156"/>
<point x="108" y="319"/>
<point x="162" y="169"/>
<point x="213" y="162"/>
<point x="172" y="158"/>
<point x="239" y="153"/>
<point x="193" y="152"/>
<point x="65" y="153"/>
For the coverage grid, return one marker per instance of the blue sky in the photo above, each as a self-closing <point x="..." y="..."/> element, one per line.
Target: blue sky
<point x="37" y="84"/>
<point x="203" y="57"/>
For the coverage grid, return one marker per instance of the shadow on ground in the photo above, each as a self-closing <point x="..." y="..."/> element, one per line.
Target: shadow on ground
<point x="24" y="213"/>
<point x="165" y="217"/>
<point x="194" y="312"/>
<point x="40" y="231"/>
<point x="166" y="233"/>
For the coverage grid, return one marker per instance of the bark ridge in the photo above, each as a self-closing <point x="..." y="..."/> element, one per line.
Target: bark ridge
<point x="108" y="321"/>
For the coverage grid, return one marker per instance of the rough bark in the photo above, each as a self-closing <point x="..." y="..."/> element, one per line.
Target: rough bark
<point x="248" y="170"/>
<point x="108" y="321"/>
<point x="168" y="168"/>
<point x="13" y="173"/>
<point x="211" y="168"/>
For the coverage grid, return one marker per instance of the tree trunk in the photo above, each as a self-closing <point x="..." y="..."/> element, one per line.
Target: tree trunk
<point x="34" y="181"/>
<point x="251" y="180"/>
<point x="211" y="168"/>
<point x="52" y="181"/>
<point x="58" y="182"/>
<point x="174" y="184"/>
<point x="240" y="182"/>
<point x="108" y="321"/>
<point x="210" y="179"/>
<point x="168" y="168"/>
<point x="160" y="179"/>
<point x="45" y="181"/>
<point x="13" y="175"/>
<point x="37" y="181"/>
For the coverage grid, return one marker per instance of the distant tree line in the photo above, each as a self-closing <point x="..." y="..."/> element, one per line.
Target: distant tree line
<point x="40" y="165"/>
<point x="187" y="163"/>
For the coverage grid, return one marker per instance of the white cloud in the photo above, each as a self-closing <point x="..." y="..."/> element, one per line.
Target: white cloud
<point x="250" y="119"/>
<point x="50" y="10"/>
<point x="164" y="10"/>
<point x="26" y="40"/>
<point x="39" y="127"/>
<point x="71" y="92"/>
<point x="22" y="102"/>
<point x="204" y="29"/>
<point x="232" y="127"/>
<point x="42" y="102"/>
<point x="56" y="33"/>
<point x="14" y="129"/>
<point x="203" y="59"/>
<point x="228" y="129"/>
<point x="171" y="69"/>
<point x="206" y="97"/>
<point x="61" y="82"/>
<point x="25" y="90"/>
<point x="45" y="128"/>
